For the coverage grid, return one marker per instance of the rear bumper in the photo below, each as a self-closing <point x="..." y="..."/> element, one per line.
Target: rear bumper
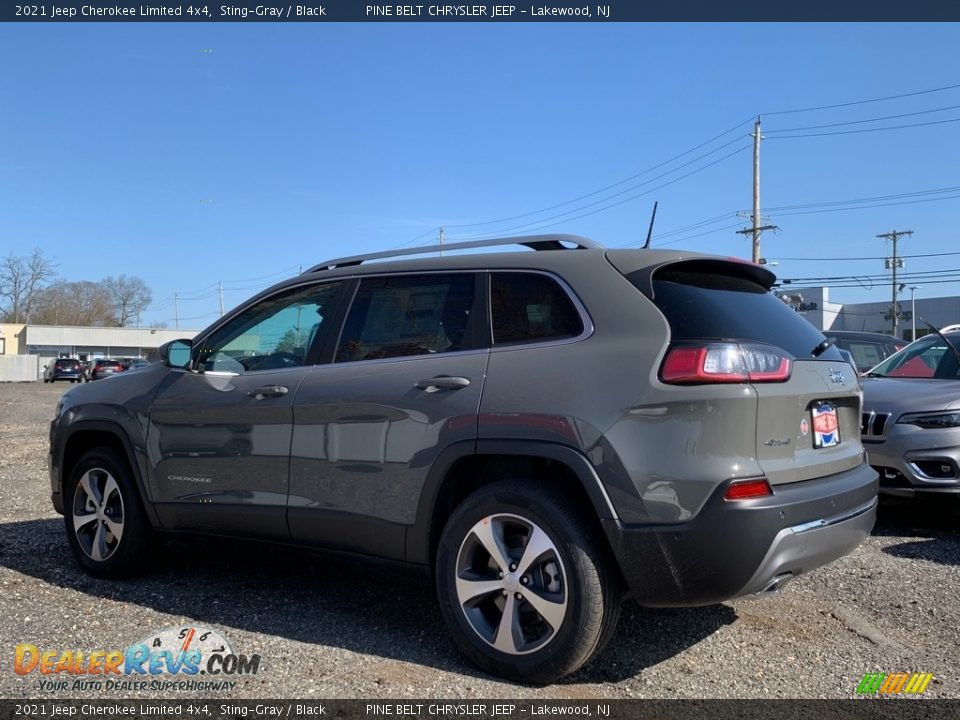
<point x="731" y="549"/>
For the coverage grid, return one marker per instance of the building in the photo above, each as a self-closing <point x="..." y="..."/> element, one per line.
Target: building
<point x="48" y="342"/>
<point x="814" y="303"/>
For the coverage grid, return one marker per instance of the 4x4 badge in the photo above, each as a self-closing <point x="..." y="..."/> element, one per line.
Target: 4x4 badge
<point x="837" y="376"/>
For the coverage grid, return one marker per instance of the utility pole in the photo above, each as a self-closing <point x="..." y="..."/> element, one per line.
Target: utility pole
<point x="221" y="299"/>
<point x="892" y="263"/>
<point x="756" y="228"/>
<point x="176" y="310"/>
<point x="443" y="237"/>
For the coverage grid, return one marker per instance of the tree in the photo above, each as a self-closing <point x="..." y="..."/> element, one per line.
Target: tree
<point x="21" y="280"/>
<point x="130" y="296"/>
<point x="74" y="303"/>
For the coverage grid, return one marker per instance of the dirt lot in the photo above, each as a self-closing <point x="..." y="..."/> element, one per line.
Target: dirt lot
<point x="339" y="628"/>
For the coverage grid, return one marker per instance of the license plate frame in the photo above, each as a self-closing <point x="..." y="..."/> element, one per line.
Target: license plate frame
<point x="825" y="426"/>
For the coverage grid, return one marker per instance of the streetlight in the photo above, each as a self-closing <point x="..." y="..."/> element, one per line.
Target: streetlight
<point x="913" y="312"/>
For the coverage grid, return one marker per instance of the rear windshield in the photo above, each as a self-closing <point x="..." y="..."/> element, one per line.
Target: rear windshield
<point x="67" y="363"/>
<point x="110" y="363"/>
<point x="701" y="305"/>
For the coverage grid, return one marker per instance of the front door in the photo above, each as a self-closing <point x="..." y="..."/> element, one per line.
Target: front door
<point x="219" y="438"/>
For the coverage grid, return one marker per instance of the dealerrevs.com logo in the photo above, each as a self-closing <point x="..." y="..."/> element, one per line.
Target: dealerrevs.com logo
<point x="178" y="658"/>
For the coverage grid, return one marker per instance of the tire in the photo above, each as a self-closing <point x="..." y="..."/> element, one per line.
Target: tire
<point x="106" y="526"/>
<point x="577" y="587"/>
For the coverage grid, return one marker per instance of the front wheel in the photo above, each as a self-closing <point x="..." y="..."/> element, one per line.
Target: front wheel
<point x="106" y="526"/>
<point x="524" y="583"/>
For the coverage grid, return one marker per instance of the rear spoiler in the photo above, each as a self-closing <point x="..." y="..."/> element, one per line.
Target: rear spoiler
<point x="641" y="274"/>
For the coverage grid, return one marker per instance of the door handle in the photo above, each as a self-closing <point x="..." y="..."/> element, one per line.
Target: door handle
<point x="268" y="391"/>
<point x="442" y="382"/>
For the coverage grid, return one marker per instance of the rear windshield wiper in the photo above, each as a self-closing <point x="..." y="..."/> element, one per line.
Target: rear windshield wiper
<point x="956" y="353"/>
<point x="822" y="347"/>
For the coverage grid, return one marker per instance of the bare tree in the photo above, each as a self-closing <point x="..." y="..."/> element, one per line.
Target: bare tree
<point x="74" y="303"/>
<point x="21" y="280"/>
<point x="130" y="296"/>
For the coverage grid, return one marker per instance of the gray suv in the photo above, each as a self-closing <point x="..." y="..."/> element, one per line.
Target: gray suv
<point x="911" y="419"/>
<point x="544" y="431"/>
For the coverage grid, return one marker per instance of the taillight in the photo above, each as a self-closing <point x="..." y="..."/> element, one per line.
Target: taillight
<point x="725" y="362"/>
<point x="747" y="489"/>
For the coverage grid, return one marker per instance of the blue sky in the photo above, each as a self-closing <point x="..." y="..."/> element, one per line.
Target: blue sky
<point x="192" y="155"/>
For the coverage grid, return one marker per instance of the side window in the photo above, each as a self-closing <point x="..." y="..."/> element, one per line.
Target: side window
<point x="275" y="333"/>
<point x="408" y="315"/>
<point x="529" y="307"/>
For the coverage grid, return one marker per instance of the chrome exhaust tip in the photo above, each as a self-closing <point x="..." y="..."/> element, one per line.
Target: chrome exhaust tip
<point x="775" y="585"/>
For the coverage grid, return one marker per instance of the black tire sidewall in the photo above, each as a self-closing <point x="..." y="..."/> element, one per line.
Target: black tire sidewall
<point x="129" y="554"/>
<point x="578" y="637"/>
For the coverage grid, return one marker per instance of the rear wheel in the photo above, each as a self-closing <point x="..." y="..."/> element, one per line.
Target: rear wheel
<point x="524" y="584"/>
<point x="106" y="526"/>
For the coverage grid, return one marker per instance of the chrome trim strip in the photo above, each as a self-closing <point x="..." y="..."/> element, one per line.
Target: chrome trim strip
<point x="827" y="522"/>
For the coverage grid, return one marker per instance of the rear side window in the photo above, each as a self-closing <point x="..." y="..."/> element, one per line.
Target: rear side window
<point x="408" y="315"/>
<point x="529" y="307"/>
<point x="712" y="305"/>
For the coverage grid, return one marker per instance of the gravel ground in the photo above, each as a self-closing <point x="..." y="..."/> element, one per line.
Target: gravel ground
<point x="330" y="627"/>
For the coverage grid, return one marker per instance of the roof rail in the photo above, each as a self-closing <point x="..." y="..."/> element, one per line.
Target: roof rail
<point x="535" y="242"/>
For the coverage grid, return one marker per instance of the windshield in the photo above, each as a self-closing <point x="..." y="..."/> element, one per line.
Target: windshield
<point x="929" y="357"/>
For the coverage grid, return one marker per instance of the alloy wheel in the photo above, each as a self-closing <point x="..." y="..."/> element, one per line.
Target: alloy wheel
<point x="98" y="514"/>
<point x="511" y="584"/>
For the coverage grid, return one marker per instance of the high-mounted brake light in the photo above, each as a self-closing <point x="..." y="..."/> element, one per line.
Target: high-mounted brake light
<point x="725" y="363"/>
<point x="748" y="489"/>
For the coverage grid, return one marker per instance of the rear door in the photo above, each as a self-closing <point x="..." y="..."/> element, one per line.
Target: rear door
<point x="404" y="382"/>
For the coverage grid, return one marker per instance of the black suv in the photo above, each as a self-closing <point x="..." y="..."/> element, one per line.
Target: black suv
<point x="63" y="369"/>
<point x="543" y="430"/>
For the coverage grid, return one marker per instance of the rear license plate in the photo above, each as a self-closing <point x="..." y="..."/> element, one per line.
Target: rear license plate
<point x="826" y="427"/>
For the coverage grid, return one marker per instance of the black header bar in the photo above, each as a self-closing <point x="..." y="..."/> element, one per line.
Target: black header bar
<point x="602" y="11"/>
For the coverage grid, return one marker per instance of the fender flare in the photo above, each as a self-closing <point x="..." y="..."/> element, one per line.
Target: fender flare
<point x="418" y="535"/>
<point x="116" y="430"/>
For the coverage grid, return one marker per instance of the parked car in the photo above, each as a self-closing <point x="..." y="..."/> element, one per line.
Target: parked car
<point x="103" y="367"/>
<point x="542" y="430"/>
<point x="867" y="349"/>
<point x="911" y="419"/>
<point x="63" y="369"/>
<point x="133" y="363"/>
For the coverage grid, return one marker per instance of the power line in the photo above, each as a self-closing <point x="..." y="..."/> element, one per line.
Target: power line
<point x="542" y="224"/>
<point x="859" y="122"/>
<point x="915" y="193"/>
<point x="618" y="183"/>
<point x="868" y="257"/>
<point x="864" y="102"/>
<point x="915" y="274"/>
<point x="866" y="130"/>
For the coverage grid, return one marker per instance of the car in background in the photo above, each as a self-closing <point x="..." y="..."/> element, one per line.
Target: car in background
<point x="133" y="363"/>
<point x="63" y="369"/>
<point x="103" y="367"/>
<point x="867" y="349"/>
<point x="910" y="426"/>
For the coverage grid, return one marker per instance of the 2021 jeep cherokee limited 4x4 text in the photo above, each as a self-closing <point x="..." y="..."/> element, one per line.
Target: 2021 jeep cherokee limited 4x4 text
<point x="544" y="430"/>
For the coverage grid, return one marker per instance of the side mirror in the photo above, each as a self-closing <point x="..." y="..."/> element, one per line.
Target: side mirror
<point x="177" y="353"/>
